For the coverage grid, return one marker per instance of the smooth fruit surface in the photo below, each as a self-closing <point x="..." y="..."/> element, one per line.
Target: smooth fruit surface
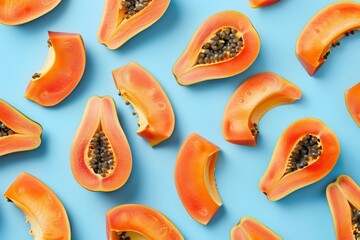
<point x="262" y="3"/>
<point x="352" y="101"/>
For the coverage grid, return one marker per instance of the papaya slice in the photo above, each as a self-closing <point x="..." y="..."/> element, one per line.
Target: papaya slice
<point x="17" y="131"/>
<point x="195" y="178"/>
<point x="324" y="31"/>
<point x="352" y="101"/>
<point x="251" y="101"/>
<point x="139" y="88"/>
<point x="261" y="3"/>
<point x="61" y="72"/>
<point x="100" y="156"/>
<point x="224" y="45"/>
<point x="124" y="19"/>
<point x="135" y="221"/>
<point x="42" y="208"/>
<point x="305" y="153"/>
<point x="20" y="12"/>
<point x="250" y="229"/>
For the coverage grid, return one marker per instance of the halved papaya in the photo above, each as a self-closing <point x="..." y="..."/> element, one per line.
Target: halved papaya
<point x="224" y="45"/>
<point x="324" y="30"/>
<point x="17" y="131"/>
<point x="305" y="153"/>
<point x="124" y="19"/>
<point x="261" y="3"/>
<point x="19" y="12"/>
<point x="195" y="178"/>
<point x="100" y="155"/>
<point x="251" y="101"/>
<point x="42" y="208"/>
<point x="135" y="221"/>
<point x="250" y="229"/>
<point x="139" y="88"/>
<point x="352" y="101"/>
<point x="62" y="71"/>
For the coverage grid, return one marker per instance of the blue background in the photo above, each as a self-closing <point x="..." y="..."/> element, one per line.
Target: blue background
<point x="198" y="108"/>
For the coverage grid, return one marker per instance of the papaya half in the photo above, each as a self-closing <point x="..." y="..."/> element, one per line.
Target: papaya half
<point x="100" y="155"/>
<point x="135" y="221"/>
<point x="124" y="19"/>
<point x="14" y="12"/>
<point x="195" y="178"/>
<point x="251" y="101"/>
<point x="17" y="131"/>
<point x="261" y="3"/>
<point x="61" y="72"/>
<point x="352" y="101"/>
<point x="224" y="45"/>
<point x="305" y="153"/>
<point x="42" y="208"/>
<point x="139" y="88"/>
<point x="324" y="31"/>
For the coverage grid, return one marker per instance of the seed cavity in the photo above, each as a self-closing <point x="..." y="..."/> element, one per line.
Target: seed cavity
<point x="355" y="222"/>
<point x="254" y="130"/>
<point x="335" y="44"/>
<point x="132" y="7"/>
<point x="122" y="236"/>
<point x="5" y="130"/>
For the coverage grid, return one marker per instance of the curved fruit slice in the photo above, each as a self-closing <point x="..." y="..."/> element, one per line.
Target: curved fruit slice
<point x="250" y="229"/>
<point x="262" y="3"/>
<point x="139" y="222"/>
<point x="224" y="45"/>
<point x="19" y="12"/>
<point x="139" y="88"/>
<point x="324" y="30"/>
<point x="352" y="100"/>
<point x="62" y="71"/>
<point x="17" y="131"/>
<point x="100" y="154"/>
<point x="124" y="19"/>
<point x="42" y="208"/>
<point x="195" y="178"/>
<point x="305" y="153"/>
<point x="251" y="101"/>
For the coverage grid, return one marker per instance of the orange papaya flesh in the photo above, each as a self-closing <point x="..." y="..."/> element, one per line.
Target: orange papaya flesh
<point x="124" y="19"/>
<point x="61" y="72"/>
<point x="261" y="3"/>
<point x="17" y="131"/>
<point x="42" y="208"/>
<point x="224" y="45"/>
<point x="100" y="156"/>
<point x="324" y="31"/>
<point x="195" y="178"/>
<point x="251" y="101"/>
<point x="139" y="88"/>
<point x="352" y="101"/>
<point x="141" y="222"/>
<point x="305" y="153"/>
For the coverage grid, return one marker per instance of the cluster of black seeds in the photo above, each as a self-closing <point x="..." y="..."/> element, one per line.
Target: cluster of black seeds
<point x="254" y="130"/>
<point x="356" y="222"/>
<point x="122" y="236"/>
<point x="100" y="154"/>
<point x="224" y="45"/>
<point x="4" y="130"/>
<point x="335" y="44"/>
<point x="132" y="7"/>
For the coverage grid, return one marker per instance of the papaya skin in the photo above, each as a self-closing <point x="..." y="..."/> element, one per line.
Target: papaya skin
<point x="324" y="29"/>
<point x="275" y="184"/>
<point x="262" y="3"/>
<point x="352" y="101"/>
<point x="251" y="101"/>
<point x="187" y="72"/>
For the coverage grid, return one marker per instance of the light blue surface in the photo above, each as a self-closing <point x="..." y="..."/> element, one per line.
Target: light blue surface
<point x="198" y="108"/>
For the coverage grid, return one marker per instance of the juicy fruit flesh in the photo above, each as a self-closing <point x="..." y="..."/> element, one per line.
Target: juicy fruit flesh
<point x="355" y="222"/>
<point x="337" y="43"/>
<point x="224" y="45"/>
<point x="5" y="130"/>
<point x="132" y="7"/>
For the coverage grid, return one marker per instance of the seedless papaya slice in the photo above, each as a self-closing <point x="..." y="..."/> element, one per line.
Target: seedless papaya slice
<point x="138" y="87"/>
<point x="123" y="19"/>
<point x="352" y="100"/>
<point x="305" y="153"/>
<point x="251" y="101"/>
<point x="324" y="30"/>
<point x="139" y="222"/>
<point x="17" y="131"/>
<point x="100" y="154"/>
<point x="195" y="178"/>
<point x="62" y="71"/>
<point x="224" y="45"/>
<point x="42" y="208"/>
<point x="262" y="3"/>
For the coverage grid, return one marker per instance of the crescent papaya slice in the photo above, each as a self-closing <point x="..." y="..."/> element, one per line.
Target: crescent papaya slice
<point x="224" y="45"/>
<point x="123" y="19"/>
<point x="195" y="178"/>
<point x="61" y="72"/>
<point x="139" y="88"/>
<point x="261" y="3"/>
<point x="100" y="155"/>
<point x="17" y="131"/>
<point x="324" y="31"/>
<point x="42" y="208"/>
<point x="352" y="101"/>
<point x="251" y="101"/>
<point x="305" y="153"/>
<point x="135" y="221"/>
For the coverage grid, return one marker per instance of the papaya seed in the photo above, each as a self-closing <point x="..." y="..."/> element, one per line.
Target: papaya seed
<point x="36" y="75"/>
<point x="122" y="236"/>
<point x="5" y="130"/>
<point x="355" y="221"/>
<point x="49" y="43"/>
<point x="132" y="7"/>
